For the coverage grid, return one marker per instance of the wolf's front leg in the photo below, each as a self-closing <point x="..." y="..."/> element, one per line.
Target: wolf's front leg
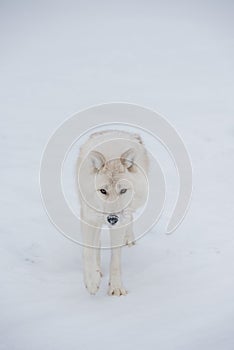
<point x="91" y="261"/>
<point x="117" y="236"/>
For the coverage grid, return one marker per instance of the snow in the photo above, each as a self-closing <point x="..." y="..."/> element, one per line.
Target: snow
<point x="174" y="57"/>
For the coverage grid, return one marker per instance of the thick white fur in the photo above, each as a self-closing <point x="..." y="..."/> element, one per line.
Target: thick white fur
<point x="112" y="160"/>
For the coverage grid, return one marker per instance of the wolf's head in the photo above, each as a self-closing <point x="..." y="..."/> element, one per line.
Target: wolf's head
<point x="115" y="184"/>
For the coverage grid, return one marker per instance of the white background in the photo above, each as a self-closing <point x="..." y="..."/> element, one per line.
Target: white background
<point x="176" y="57"/>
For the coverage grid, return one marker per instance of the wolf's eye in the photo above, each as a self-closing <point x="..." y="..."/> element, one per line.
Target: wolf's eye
<point x="103" y="191"/>
<point x="124" y="190"/>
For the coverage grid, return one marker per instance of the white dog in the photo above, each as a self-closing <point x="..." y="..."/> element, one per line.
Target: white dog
<point x="112" y="182"/>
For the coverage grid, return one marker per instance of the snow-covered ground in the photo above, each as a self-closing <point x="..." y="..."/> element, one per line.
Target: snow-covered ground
<point x="175" y="57"/>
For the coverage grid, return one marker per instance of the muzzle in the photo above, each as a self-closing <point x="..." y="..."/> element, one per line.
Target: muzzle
<point x="112" y="219"/>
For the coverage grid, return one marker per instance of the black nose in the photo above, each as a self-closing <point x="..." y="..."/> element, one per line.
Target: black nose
<point x="112" y="219"/>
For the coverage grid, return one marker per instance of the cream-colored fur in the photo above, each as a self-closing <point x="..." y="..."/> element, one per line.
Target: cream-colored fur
<point x="112" y="185"/>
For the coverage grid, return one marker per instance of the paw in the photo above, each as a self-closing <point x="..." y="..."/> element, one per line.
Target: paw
<point x="116" y="290"/>
<point x="130" y="240"/>
<point x="130" y="243"/>
<point x="92" y="282"/>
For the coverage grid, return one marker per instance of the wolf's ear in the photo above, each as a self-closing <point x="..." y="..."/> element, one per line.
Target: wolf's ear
<point x="128" y="157"/>
<point x="97" y="160"/>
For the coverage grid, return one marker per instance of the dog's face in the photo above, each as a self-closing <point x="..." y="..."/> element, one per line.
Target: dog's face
<point x="113" y="184"/>
<point x="113" y="181"/>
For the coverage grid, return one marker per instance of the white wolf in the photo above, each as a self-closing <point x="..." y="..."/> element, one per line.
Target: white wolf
<point x="112" y="184"/>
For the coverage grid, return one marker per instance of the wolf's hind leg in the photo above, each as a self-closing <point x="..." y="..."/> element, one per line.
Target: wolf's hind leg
<point x="129" y="239"/>
<point x="98" y="256"/>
